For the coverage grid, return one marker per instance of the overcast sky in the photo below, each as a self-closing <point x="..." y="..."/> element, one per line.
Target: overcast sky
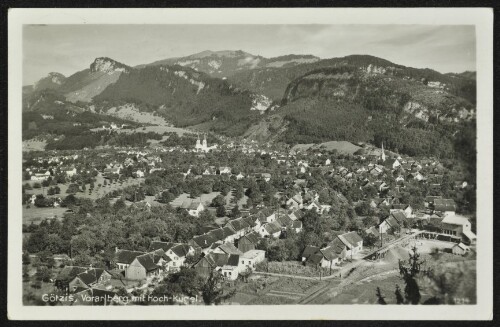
<point x="70" y="48"/>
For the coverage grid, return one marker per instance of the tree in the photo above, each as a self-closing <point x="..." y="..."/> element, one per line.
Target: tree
<point x="214" y="291"/>
<point x="369" y="239"/>
<point x="26" y="258"/>
<point x="218" y="201"/>
<point x="221" y="211"/>
<point x="370" y="221"/>
<point x="69" y="200"/>
<point x="381" y="299"/>
<point x="43" y="273"/>
<point x="235" y="212"/>
<point x="73" y="188"/>
<point x="188" y="281"/>
<point x="364" y="209"/>
<point x="410" y="271"/>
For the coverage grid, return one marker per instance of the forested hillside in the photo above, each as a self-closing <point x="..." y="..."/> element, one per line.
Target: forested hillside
<point x="185" y="97"/>
<point x="347" y="102"/>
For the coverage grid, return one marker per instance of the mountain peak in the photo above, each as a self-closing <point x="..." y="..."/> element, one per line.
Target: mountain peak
<point x="220" y="53"/>
<point x="52" y="81"/>
<point x="107" y="65"/>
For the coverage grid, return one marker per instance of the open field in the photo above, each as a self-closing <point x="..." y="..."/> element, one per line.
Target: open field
<point x="98" y="192"/>
<point x="296" y="268"/>
<point x="34" y="145"/>
<point x="36" y="215"/>
<point x="206" y="199"/>
<point x="343" y="147"/>
<point x="273" y="290"/>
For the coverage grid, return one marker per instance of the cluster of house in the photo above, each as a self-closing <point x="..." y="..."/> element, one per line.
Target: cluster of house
<point x="307" y="199"/>
<point x="231" y="249"/>
<point x="343" y="247"/>
<point x="44" y="174"/>
<point x="142" y="162"/>
<point x="439" y="216"/>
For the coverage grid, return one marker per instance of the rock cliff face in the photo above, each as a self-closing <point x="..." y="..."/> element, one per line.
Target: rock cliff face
<point x="107" y="65"/>
<point x="227" y="63"/>
<point x="51" y="81"/>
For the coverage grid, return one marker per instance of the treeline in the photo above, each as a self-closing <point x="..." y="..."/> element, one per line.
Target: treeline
<point x="63" y="121"/>
<point x="92" y="232"/>
<point x="88" y="139"/>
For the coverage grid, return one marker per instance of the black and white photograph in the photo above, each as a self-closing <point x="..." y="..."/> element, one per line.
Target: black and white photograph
<point x="205" y="164"/>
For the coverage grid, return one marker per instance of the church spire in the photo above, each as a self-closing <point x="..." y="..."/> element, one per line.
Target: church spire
<point x="383" y="153"/>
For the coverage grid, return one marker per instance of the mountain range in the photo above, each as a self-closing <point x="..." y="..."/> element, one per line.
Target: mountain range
<point x="292" y="98"/>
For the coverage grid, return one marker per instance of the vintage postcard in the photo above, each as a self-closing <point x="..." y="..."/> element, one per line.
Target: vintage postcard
<point x="250" y="164"/>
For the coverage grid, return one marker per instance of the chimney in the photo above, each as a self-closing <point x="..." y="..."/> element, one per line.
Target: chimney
<point x="116" y="249"/>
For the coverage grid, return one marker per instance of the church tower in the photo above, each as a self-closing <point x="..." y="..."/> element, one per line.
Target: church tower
<point x="205" y="146"/>
<point x="383" y="153"/>
<point x="198" y="143"/>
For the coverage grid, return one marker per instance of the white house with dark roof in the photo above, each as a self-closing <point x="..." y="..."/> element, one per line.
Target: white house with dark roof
<point x="459" y="226"/>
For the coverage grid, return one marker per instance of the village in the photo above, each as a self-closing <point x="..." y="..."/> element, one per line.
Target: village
<point x="259" y="210"/>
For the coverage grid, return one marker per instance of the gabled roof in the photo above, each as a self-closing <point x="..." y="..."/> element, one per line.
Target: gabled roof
<point x="229" y="248"/>
<point x="285" y="220"/>
<point x="297" y="213"/>
<point x="297" y="224"/>
<point x="159" y="254"/>
<point x="126" y="256"/>
<point x="228" y="231"/>
<point x="217" y="234"/>
<point x="204" y="241"/>
<point x="400" y="216"/>
<point x="455" y="220"/>
<point x="91" y="275"/>
<point x="233" y="260"/>
<point x="310" y="250"/>
<point x="272" y="228"/>
<point x="350" y="239"/>
<point x="238" y="224"/>
<point x="250" y="220"/>
<point x="220" y="259"/>
<point x="329" y="253"/>
<point x="69" y="272"/>
<point x="444" y="205"/>
<point x="165" y="246"/>
<point x="315" y="258"/>
<point x="181" y="250"/>
<point x="253" y="237"/>
<point x="393" y="222"/>
<point x="147" y="262"/>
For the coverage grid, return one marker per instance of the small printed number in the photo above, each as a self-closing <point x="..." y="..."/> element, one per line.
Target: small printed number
<point x="461" y="300"/>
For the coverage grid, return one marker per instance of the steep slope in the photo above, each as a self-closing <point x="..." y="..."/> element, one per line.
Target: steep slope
<point x="184" y="96"/>
<point x="51" y="81"/>
<point x="86" y="84"/>
<point x="272" y="82"/>
<point x="81" y="86"/>
<point x="226" y="63"/>
<point x="373" y="104"/>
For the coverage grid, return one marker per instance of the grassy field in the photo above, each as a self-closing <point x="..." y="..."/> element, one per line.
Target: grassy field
<point x="34" y="145"/>
<point x="273" y="290"/>
<point x="98" y="191"/>
<point x="36" y="215"/>
<point x="343" y="147"/>
<point x="296" y="268"/>
<point x="206" y="199"/>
